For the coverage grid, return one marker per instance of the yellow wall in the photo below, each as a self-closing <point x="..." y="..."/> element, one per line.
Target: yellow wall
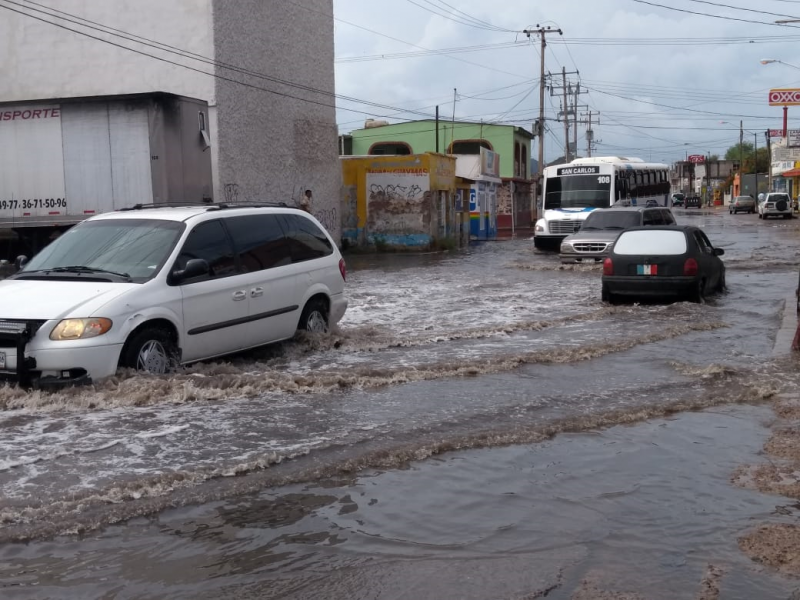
<point x="440" y="167"/>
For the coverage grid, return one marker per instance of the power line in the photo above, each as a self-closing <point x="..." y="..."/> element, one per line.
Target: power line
<point x="437" y="52"/>
<point x="751" y="10"/>
<point x="372" y="31"/>
<point x="450" y="16"/>
<point x="702" y="14"/>
<point x="213" y="63"/>
<point x="470" y="17"/>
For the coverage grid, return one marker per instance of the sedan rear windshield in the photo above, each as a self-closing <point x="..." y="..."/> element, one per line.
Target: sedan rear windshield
<point x="653" y="241"/>
<point x="743" y="198"/>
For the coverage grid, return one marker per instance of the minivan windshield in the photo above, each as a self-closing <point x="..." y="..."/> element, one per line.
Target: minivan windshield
<point x="612" y="219"/>
<point x="134" y="249"/>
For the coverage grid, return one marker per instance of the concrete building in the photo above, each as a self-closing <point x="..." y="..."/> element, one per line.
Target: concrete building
<point x="513" y="144"/>
<point x="263" y="67"/>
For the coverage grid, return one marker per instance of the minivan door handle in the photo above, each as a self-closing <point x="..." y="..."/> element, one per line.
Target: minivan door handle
<point x="256" y="292"/>
<point x="240" y="295"/>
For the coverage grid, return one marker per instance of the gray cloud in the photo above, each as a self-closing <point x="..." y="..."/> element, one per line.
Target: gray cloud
<point x="710" y="84"/>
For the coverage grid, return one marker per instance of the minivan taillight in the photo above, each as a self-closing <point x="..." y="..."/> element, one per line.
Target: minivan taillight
<point x="608" y="267"/>
<point x="343" y="269"/>
<point x="690" y="267"/>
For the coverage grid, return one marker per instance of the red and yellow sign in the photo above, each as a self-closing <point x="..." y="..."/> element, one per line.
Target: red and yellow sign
<point x="784" y="97"/>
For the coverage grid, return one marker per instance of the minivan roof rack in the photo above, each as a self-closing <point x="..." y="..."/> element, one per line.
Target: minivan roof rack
<point x="207" y="205"/>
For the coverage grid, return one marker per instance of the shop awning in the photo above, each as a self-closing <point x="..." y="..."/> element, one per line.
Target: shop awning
<point x="791" y="173"/>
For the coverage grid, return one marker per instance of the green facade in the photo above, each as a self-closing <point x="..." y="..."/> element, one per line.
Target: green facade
<point x="421" y="137"/>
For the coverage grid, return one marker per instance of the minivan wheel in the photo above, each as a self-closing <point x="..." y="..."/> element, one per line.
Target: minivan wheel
<point x="314" y="318"/>
<point x="150" y="350"/>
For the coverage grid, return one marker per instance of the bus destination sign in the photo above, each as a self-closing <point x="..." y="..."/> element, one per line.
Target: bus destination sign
<point x="587" y="170"/>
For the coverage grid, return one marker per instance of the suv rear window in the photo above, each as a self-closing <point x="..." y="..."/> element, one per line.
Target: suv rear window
<point x="776" y="197"/>
<point x="663" y="242"/>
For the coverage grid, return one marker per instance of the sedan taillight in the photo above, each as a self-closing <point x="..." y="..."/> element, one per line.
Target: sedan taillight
<point x="690" y="267"/>
<point x="343" y="269"/>
<point x="608" y="267"/>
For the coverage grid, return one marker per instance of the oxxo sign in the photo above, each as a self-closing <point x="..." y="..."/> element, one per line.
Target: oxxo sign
<point x="784" y="97"/>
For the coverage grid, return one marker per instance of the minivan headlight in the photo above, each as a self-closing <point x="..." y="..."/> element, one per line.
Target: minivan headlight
<point x="80" y="329"/>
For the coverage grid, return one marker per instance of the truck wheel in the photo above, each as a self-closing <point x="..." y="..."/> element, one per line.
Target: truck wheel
<point x="150" y="350"/>
<point x="314" y="318"/>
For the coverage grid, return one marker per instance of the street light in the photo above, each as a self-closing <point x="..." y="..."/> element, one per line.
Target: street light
<point x="769" y="61"/>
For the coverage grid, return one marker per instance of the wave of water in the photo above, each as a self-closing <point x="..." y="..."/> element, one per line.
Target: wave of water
<point x="223" y="381"/>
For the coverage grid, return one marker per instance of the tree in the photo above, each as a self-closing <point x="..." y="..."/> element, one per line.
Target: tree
<point x="734" y="153"/>
<point x="752" y="160"/>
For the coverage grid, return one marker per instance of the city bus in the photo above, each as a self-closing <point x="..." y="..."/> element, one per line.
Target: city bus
<point x="571" y="191"/>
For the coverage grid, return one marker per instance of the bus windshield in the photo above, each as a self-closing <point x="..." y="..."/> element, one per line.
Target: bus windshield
<point x="578" y="191"/>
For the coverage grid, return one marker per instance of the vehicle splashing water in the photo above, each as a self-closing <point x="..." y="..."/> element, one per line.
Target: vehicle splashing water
<point x="294" y="453"/>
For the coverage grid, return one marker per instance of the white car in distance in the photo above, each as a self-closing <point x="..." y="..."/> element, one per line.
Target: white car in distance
<point x="775" y="204"/>
<point x="152" y="287"/>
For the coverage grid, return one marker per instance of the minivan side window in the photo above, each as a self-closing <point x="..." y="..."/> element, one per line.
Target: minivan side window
<point x="307" y="241"/>
<point x="210" y="242"/>
<point x="260" y="242"/>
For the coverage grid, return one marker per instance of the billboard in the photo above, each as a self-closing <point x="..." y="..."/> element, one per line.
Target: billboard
<point x="784" y="97"/>
<point x="696" y="158"/>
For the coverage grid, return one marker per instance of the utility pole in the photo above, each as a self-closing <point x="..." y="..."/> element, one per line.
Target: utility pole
<point x="566" y="114"/>
<point x="453" y="126"/>
<point x="769" y="162"/>
<point x="437" y="129"/>
<point x="590" y="142"/>
<point x="566" y="91"/>
<point x="741" y="159"/>
<point x="575" y="112"/>
<point x="542" y="33"/>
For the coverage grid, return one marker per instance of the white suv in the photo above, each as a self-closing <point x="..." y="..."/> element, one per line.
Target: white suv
<point x="152" y="287"/>
<point x="775" y="204"/>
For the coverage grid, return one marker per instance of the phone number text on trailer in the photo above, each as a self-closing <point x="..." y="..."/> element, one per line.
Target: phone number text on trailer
<point x="29" y="204"/>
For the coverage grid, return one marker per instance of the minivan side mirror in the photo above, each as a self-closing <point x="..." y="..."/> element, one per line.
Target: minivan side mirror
<point x="196" y="267"/>
<point x="718" y="251"/>
<point x="21" y="261"/>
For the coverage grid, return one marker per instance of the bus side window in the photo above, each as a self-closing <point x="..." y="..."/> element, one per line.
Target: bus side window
<point x="633" y="188"/>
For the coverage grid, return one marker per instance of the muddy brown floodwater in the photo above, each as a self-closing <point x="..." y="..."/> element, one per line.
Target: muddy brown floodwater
<point x="480" y="426"/>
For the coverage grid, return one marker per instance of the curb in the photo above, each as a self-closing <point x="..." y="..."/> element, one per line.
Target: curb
<point x="785" y="336"/>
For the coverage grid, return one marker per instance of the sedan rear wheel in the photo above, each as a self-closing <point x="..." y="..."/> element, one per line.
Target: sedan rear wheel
<point x="698" y="295"/>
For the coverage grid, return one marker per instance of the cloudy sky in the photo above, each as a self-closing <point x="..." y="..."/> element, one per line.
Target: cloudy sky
<point x="665" y="82"/>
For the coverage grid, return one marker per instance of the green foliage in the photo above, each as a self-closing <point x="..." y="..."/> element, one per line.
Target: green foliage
<point x="752" y="160"/>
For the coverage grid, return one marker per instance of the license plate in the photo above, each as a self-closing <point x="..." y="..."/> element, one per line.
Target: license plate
<point x="647" y="269"/>
<point x="2" y="360"/>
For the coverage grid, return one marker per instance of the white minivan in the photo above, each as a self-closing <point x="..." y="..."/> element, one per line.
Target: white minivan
<point x="151" y="287"/>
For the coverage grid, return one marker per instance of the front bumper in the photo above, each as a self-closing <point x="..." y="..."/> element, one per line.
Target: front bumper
<point x="578" y="257"/>
<point x="43" y="364"/>
<point x="650" y="286"/>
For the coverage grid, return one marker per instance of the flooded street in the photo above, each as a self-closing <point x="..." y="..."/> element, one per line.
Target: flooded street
<point x="479" y="426"/>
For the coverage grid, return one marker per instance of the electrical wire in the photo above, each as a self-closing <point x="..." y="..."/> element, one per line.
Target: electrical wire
<point x="702" y="14"/>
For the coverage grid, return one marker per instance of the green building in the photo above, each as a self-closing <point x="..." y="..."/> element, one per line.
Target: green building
<point x="512" y="143"/>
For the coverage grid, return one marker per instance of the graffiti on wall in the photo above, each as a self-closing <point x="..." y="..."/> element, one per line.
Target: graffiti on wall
<point x="233" y="193"/>
<point x="328" y="217"/>
<point x="398" y="202"/>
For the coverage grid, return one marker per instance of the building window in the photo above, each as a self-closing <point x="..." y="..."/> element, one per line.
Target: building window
<point x="525" y="161"/>
<point x="517" y="159"/>
<point x="469" y="146"/>
<point x="389" y="148"/>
